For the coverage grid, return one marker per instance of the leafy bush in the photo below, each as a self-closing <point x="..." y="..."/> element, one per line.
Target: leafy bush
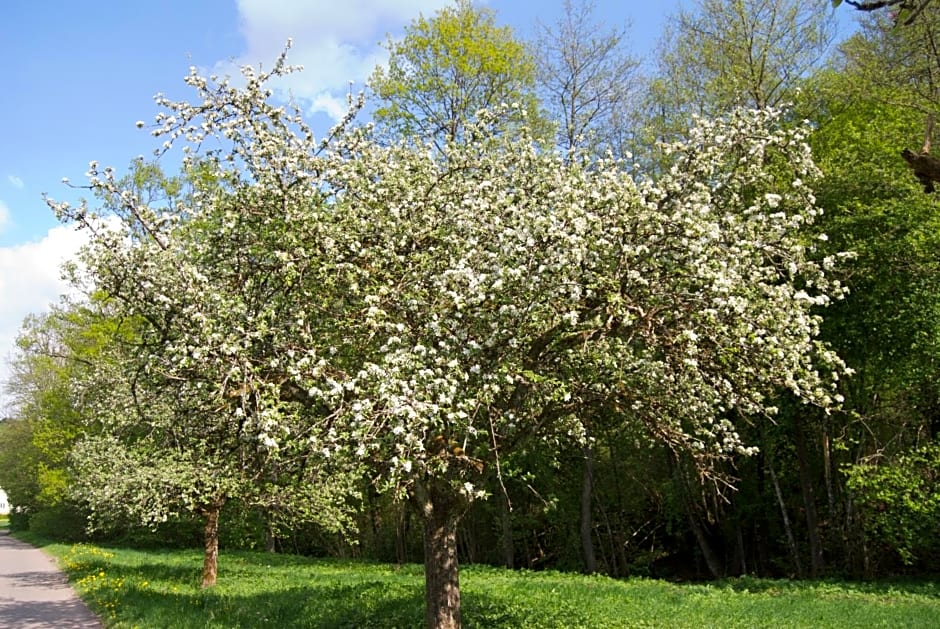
<point x="900" y="502"/>
<point x="61" y="522"/>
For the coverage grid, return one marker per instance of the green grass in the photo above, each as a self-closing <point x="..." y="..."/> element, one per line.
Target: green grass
<point x="132" y="588"/>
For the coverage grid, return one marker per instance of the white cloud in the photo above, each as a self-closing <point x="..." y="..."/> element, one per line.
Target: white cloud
<point x="29" y="282"/>
<point x="16" y="181"/>
<point x="336" y="42"/>
<point x="4" y="216"/>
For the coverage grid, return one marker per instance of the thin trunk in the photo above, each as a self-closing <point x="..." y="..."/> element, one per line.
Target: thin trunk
<point x="760" y="534"/>
<point x="466" y="543"/>
<point x="859" y="558"/>
<point x="619" y="541"/>
<point x="210" y="565"/>
<point x="739" y="538"/>
<point x="401" y="535"/>
<point x="701" y="536"/>
<point x="374" y="521"/>
<point x="809" y="500"/>
<point x="791" y="541"/>
<point x="712" y="562"/>
<point x="761" y="522"/>
<point x="612" y="563"/>
<point x="440" y="509"/>
<point x="587" y="521"/>
<point x="827" y="470"/>
<point x="506" y="539"/>
<point x="270" y="539"/>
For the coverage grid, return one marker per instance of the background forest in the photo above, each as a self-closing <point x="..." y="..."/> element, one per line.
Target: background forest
<point x="111" y="439"/>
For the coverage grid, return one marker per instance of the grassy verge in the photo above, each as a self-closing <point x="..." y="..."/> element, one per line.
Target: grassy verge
<point x="147" y="589"/>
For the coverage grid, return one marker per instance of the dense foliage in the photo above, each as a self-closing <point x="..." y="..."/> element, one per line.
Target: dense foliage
<point x="666" y="365"/>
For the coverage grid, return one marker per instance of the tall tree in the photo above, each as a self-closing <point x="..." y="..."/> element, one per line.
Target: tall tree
<point x="901" y="66"/>
<point x="447" y="68"/>
<point x="900" y="503"/>
<point x="19" y="467"/>
<point x="53" y="351"/>
<point x="720" y="55"/>
<point x="587" y="77"/>
<point x="887" y="329"/>
<point x="197" y="410"/>
<point x="423" y="313"/>
<point x="747" y="53"/>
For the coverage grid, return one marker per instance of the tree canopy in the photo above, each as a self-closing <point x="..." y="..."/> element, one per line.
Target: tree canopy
<point x="422" y="312"/>
<point x="447" y="68"/>
<point x="671" y="361"/>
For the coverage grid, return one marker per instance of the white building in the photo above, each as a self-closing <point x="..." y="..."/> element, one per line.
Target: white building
<point x="4" y="503"/>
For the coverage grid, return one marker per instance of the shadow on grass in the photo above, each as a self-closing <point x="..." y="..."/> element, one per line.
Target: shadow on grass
<point x="367" y="605"/>
<point x="161" y="590"/>
<point x="165" y="596"/>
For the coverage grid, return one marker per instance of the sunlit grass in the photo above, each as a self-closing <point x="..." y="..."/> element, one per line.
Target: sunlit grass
<point x="132" y="588"/>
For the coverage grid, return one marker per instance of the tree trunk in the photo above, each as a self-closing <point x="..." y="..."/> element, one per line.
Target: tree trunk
<point x="791" y="541"/>
<point x="506" y="537"/>
<point x="587" y="521"/>
<point x="270" y="539"/>
<point x="926" y="168"/>
<point x="210" y="564"/>
<point x="712" y="561"/>
<point x="809" y="500"/>
<point x="402" y="528"/>
<point x="761" y="521"/>
<point x="440" y="508"/>
<point x="827" y="471"/>
<point x="742" y="553"/>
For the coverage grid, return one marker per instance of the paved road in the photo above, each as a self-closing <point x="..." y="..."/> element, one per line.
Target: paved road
<point x="35" y="594"/>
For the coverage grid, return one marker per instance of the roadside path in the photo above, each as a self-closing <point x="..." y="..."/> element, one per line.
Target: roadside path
<point x="35" y="594"/>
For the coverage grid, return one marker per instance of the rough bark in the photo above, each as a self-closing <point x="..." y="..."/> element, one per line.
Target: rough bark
<point x="926" y="168"/>
<point x="440" y="508"/>
<point x="587" y="520"/>
<point x="210" y="564"/>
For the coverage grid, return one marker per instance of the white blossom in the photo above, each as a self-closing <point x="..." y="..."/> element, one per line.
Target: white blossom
<point x="428" y="302"/>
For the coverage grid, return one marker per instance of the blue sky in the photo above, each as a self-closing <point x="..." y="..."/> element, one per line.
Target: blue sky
<point x="83" y="73"/>
<point x="80" y="74"/>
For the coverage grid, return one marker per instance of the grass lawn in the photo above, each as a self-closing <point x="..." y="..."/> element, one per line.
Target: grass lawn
<point x="133" y="588"/>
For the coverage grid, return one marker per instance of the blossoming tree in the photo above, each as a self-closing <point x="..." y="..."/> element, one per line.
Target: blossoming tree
<point x="422" y="311"/>
<point x="197" y="410"/>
